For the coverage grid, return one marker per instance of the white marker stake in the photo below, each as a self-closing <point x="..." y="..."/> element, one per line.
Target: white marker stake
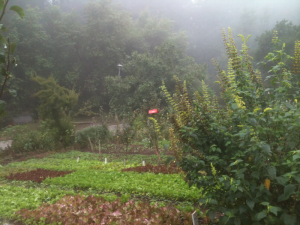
<point x="105" y="160"/>
<point x="124" y="163"/>
<point x="77" y="159"/>
<point x="195" y="218"/>
<point x="143" y="163"/>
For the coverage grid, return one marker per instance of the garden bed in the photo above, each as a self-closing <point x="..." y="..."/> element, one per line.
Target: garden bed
<point x="165" y="169"/>
<point x="38" y="175"/>
<point x="158" y="193"/>
<point x="96" y="210"/>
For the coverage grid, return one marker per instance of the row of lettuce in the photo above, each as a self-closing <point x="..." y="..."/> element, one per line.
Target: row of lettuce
<point x="90" y="177"/>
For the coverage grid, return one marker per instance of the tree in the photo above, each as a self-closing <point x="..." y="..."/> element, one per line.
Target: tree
<point x="81" y="50"/>
<point x="31" y="56"/>
<point x="287" y="33"/>
<point x="145" y="73"/>
<point x="46" y="44"/>
<point x="56" y="102"/>
<point x="5" y="54"/>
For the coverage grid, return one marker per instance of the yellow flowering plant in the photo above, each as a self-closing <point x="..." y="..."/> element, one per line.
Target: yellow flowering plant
<point x="246" y="149"/>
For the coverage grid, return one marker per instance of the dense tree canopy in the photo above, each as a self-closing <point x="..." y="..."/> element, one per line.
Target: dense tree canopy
<point x="287" y="33"/>
<point x="81" y="50"/>
<point x="82" y="42"/>
<point x="145" y="73"/>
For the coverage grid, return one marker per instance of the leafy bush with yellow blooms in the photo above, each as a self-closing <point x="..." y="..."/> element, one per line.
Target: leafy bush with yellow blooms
<point x="244" y="150"/>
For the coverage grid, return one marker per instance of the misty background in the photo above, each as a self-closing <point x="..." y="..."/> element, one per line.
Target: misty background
<point x="81" y="42"/>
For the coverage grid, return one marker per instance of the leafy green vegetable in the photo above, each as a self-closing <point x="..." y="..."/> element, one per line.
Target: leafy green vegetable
<point x="168" y="186"/>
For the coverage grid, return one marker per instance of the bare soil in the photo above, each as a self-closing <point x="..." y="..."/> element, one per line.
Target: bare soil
<point x="37" y="175"/>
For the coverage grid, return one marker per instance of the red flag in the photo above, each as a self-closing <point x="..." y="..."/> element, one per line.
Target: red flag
<point x="153" y="111"/>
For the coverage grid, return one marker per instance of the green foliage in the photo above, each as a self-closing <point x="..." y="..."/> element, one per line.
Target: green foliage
<point x="24" y="139"/>
<point x="126" y="134"/>
<point x="125" y="198"/>
<point x="115" y="166"/>
<point x="65" y="45"/>
<point x="58" y="164"/>
<point x="152" y="31"/>
<point x="133" y="159"/>
<point x="245" y="155"/>
<point x="165" y="169"/>
<point x="287" y="33"/>
<point x="30" y="197"/>
<point x="6" y="52"/>
<point x="154" y="135"/>
<point x="55" y="100"/>
<point x="30" y="33"/>
<point x="68" y="162"/>
<point x="62" y="130"/>
<point x="95" y="133"/>
<point x="167" y="186"/>
<point x="56" y="103"/>
<point x="16" y="198"/>
<point x="96" y="175"/>
<point x="18" y="10"/>
<point x="144" y="74"/>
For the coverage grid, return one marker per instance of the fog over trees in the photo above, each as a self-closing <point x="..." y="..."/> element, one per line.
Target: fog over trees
<point x="81" y="42"/>
<point x="150" y="112"/>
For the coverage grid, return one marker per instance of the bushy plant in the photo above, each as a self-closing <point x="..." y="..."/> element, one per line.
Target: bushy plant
<point x="95" y="133"/>
<point x="25" y="139"/>
<point x="245" y="154"/>
<point x="63" y="132"/>
<point x="126" y="134"/>
<point x="146" y="142"/>
<point x="56" y="103"/>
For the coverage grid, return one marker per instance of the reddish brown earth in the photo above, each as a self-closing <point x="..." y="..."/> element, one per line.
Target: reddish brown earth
<point x="37" y="175"/>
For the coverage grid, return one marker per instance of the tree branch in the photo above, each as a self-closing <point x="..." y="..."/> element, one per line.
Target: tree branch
<point x="7" y="69"/>
<point x="3" y="11"/>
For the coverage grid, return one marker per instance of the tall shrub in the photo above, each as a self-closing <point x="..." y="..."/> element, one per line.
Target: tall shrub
<point x="95" y="134"/>
<point x="56" y="103"/>
<point x="244" y="154"/>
